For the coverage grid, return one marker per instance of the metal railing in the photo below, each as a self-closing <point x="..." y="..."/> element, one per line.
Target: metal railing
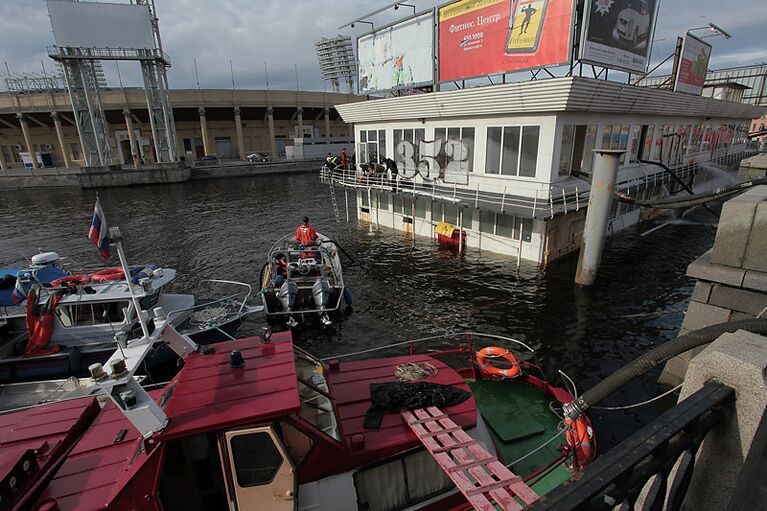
<point x="556" y="200"/>
<point x="651" y="469"/>
<point x="69" y="52"/>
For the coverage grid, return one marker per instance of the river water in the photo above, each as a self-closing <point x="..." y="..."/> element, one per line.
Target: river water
<point x="224" y="228"/>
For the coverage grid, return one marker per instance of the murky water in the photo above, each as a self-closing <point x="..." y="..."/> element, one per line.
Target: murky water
<point x="223" y="229"/>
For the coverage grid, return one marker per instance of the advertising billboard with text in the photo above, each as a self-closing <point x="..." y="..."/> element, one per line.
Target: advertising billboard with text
<point x="485" y="37"/>
<point x="618" y="33"/>
<point x="693" y="65"/>
<point x="398" y="56"/>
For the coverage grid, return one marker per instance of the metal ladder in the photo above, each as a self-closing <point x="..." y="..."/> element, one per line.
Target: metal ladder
<point x="333" y="196"/>
<point x="475" y="472"/>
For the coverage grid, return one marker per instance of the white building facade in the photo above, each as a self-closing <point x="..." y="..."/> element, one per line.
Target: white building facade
<point x="510" y="164"/>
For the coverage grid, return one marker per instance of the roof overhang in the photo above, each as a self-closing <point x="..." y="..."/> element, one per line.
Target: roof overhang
<point x="571" y="94"/>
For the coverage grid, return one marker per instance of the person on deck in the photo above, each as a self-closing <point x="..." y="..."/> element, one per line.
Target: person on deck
<point x="305" y="233"/>
<point x="344" y="159"/>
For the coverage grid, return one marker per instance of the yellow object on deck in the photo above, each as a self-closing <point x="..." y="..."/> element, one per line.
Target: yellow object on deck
<point x="445" y="229"/>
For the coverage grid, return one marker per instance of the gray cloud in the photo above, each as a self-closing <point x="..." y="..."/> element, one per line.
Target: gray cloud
<point x="283" y="34"/>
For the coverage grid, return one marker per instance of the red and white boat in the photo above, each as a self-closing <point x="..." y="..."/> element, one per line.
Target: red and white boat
<point x="258" y="423"/>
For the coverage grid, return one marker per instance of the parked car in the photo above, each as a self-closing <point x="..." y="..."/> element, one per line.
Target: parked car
<point x="258" y="157"/>
<point x="208" y="159"/>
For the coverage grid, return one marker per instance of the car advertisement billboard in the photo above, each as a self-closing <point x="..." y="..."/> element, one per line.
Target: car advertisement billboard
<point x="485" y="37"/>
<point x="693" y="65"/>
<point x="618" y="33"/>
<point x="397" y="56"/>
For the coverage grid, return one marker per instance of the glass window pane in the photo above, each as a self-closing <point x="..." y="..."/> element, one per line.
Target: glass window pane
<point x="420" y="134"/>
<point x="398" y="204"/>
<point x="383" y="201"/>
<point x="526" y="225"/>
<point x="634" y="137"/>
<point x="454" y="133"/>
<point x="493" y="151"/>
<point x="451" y="214"/>
<point x="372" y="136"/>
<point x="256" y="459"/>
<point x="648" y="145"/>
<point x="624" y="138"/>
<point x="420" y="207"/>
<point x="363" y="136"/>
<point x="440" y="134"/>
<point x="372" y="152"/>
<point x="588" y="149"/>
<point x="468" y="214"/>
<point x="408" y="135"/>
<point x="467" y="137"/>
<point x="382" y="143"/>
<point x="566" y="151"/>
<point x="529" y="162"/>
<point x="505" y="226"/>
<point x="487" y="222"/>
<point x="510" y="162"/>
<point x="607" y="133"/>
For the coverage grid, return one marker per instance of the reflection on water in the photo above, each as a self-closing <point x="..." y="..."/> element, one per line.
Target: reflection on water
<point x="223" y="229"/>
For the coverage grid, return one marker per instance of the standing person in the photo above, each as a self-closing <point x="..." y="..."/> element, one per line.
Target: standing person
<point x="529" y="11"/>
<point x="305" y="233"/>
<point x="344" y="161"/>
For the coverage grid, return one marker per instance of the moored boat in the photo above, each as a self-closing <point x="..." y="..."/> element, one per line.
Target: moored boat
<point x="258" y="421"/>
<point x="299" y="281"/>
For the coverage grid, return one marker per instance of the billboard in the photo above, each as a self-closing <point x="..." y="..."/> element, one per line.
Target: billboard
<point x="398" y="56"/>
<point x="484" y="37"/>
<point x="100" y="25"/>
<point x="618" y="33"/>
<point x="693" y="65"/>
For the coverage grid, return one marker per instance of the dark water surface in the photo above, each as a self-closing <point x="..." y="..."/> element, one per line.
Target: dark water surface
<point x="223" y="229"/>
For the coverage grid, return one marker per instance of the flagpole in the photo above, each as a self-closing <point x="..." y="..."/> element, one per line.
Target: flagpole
<point x="116" y="237"/>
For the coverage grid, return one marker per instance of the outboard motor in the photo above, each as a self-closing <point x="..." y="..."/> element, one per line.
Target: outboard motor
<point x="321" y="292"/>
<point x="287" y="295"/>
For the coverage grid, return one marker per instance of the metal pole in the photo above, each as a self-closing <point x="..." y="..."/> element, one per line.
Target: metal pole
<point x="116" y="236"/>
<point x="597" y="215"/>
<point x="521" y="239"/>
<point x="460" y="230"/>
<point x="346" y="200"/>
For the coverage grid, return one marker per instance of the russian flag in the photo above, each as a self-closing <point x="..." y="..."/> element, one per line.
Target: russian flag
<point x="19" y="293"/>
<point x="98" y="231"/>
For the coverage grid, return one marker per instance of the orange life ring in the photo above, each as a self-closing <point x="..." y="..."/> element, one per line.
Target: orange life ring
<point x="71" y="280"/>
<point x="108" y="275"/>
<point x="486" y="355"/>
<point x="579" y="439"/>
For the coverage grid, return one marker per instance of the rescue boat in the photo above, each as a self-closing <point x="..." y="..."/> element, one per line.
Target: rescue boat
<point x="259" y="423"/>
<point x="302" y="281"/>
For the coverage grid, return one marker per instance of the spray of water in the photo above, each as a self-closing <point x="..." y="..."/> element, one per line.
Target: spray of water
<point x="726" y="176"/>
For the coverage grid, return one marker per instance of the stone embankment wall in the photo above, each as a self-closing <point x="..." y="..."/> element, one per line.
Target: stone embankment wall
<point x="732" y="276"/>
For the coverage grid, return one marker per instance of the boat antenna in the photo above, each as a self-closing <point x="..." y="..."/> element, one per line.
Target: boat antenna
<point x="115" y="237"/>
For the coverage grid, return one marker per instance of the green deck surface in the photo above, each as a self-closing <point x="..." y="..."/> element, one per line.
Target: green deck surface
<point x="519" y="421"/>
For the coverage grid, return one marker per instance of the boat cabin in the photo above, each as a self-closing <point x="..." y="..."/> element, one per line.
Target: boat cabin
<point x="281" y="431"/>
<point x="510" y="164"/>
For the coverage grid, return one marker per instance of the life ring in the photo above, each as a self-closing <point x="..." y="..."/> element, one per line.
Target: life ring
<point x="108" y="275"/>
<point x="579" y="439"/>
<point x="71" y="280"/>
<point x="486" y="355"/>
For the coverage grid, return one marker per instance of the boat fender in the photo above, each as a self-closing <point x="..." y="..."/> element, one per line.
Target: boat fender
<point x="108" y="275"/>
<point x="348" y="296"/>
<point x="579" y="438"/>
<point x="486" y="355"/>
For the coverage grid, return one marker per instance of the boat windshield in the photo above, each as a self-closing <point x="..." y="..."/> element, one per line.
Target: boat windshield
<point x="316" y="406"/>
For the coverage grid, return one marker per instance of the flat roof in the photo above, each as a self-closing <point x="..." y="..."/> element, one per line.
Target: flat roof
<point x="570" y="94"/>
<point x="208" y="394"/>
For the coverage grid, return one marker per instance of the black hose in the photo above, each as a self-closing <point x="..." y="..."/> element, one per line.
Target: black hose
<point x="659" y="355"/>
<point x="670" y="173"/>
<point x="353" y="261"/>
<point x="676" y="203"/>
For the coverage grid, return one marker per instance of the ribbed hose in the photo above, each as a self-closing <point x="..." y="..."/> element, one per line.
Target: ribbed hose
<point x="659" y="355"/>
<point x="693" y="200"/>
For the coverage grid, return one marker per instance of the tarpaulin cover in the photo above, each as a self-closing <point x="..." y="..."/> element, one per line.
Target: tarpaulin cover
<point x="393" y="396"/>
<point x="445" y="229"/>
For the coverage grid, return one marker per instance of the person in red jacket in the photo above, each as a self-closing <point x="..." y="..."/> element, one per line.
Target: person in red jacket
<point x="305" y="233"/>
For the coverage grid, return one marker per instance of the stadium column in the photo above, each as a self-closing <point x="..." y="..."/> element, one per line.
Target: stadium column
<point x="327" y="122"/>
<point x="204" y="130"/>
<point x="131" y="138"/>
<point x="27" y="140"/>
<point x="272" y="143"/>
<point x="238" y="127"/>
<point x="300" y="119"/>
<point x="60" y="136"/>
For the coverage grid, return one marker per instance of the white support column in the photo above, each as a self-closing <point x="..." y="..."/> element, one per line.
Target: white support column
<point x="204" y="130"/>
<point x="27" y="140"/>
<point x="238" y="127"/>
<point x="132" y="138"/>
<point x="60" y="136"/>
<point x="270" y="123"/>
<point x="300" y="120"/>
<point x="327" y="122"/>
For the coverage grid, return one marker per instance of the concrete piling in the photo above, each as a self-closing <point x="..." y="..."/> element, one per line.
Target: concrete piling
<point x="597" y="215"/>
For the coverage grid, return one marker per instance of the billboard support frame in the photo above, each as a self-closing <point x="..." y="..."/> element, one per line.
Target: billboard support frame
<point x="679" y="56"/>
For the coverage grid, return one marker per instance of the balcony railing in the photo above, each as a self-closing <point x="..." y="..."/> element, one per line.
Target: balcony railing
<point x="556" y="200"/>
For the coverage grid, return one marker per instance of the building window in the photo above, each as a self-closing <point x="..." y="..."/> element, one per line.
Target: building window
<point x="577" y="152"/>
<point x="407" y="149"/>
<point x="383" y="201"/>
<point x="646" y="142"/>
<point x="454" y="149"/>
<point x="512" y="150"/>
<point x="420" y="207"/>
<point x="372" y="146"/>
<point x="634" y="137"/>
<point x="506" y="226"/>
<point x="450" y="214"/>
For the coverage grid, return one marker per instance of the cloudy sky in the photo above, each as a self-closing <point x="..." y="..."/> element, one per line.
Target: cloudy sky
<point x="282" y="34"/>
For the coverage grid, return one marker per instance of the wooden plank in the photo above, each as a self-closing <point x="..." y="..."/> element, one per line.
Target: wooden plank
<point x="517" y="485"/>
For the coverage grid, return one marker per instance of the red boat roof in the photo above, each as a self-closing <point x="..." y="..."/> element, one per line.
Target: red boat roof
<point x="209" y="394"/>
<point x="351" y="389"/>
<point x="44" y="433"/>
